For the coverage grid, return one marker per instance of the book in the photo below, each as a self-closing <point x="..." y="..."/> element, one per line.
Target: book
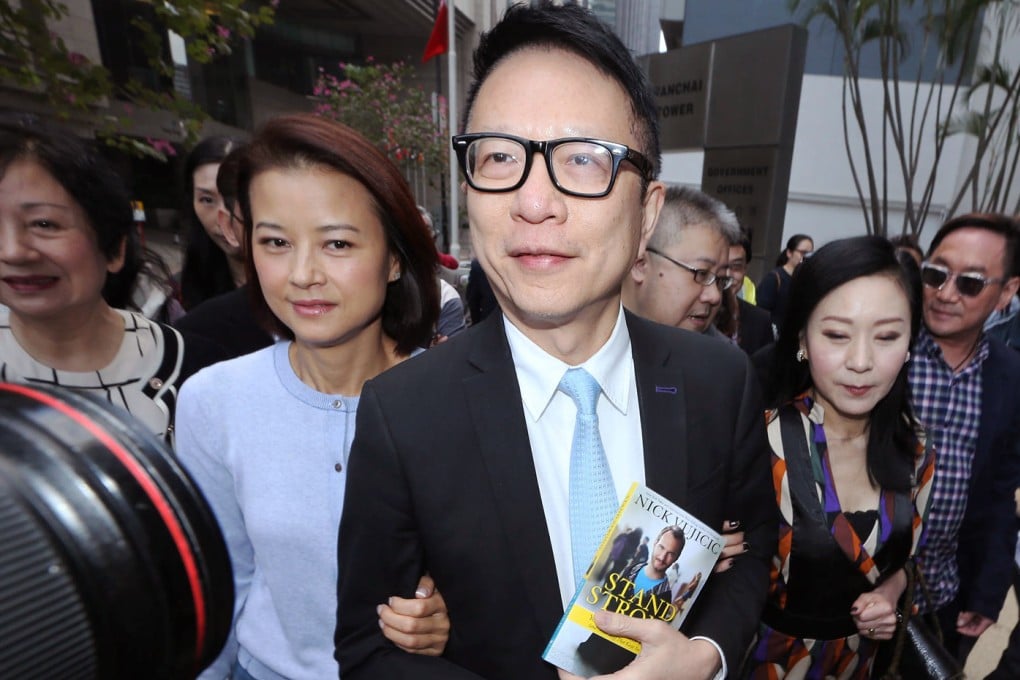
<point x="653" y="563"/>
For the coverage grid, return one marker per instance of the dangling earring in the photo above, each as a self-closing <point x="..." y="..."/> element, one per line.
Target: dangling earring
<point x="801" y="355"/>
<point x="908" y="358"/>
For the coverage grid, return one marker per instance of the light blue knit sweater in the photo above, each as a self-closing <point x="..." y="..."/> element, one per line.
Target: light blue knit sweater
<point x="270" y="455"/>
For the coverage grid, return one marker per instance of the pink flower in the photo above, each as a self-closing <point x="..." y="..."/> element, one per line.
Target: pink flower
<point x="274" y="3"/>
<point x="162" y="146"/>
<point x="77" y="58"/>
<point x="343" y="85"/>
<point x="223" y="32"/>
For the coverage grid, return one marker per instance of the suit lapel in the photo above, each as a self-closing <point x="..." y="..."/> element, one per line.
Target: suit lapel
<point x="498" y="415"/>
<point x="993" y="386"/>
<point x="662" y="400"/>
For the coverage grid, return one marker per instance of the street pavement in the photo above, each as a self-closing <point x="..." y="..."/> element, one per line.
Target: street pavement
<point x="986" y="653"/>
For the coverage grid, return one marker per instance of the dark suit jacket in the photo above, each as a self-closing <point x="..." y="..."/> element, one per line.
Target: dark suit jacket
<point x="755" y="327"/>
<point x="989" y="530"/>
<point x="227" y="320"/>
<point x="441" y="480"/>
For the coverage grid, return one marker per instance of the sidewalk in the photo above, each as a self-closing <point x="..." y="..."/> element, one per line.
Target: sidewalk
<point x="986" y="653"/>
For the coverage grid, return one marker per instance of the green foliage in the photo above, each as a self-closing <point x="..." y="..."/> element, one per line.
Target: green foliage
<point x="34" y="58"/>
<point x="378" y="101"/>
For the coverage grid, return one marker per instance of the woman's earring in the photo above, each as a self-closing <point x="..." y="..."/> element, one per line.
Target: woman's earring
<point x="907" y="359"/>
<point x="801" y="355"/>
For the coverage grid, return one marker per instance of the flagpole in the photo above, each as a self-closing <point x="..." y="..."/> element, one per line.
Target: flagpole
<point x="437" y="119"/>
<point x="451" y="65"/>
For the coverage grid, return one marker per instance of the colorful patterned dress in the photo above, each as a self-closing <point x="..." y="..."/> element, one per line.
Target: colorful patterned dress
<point x="823" y="563"/>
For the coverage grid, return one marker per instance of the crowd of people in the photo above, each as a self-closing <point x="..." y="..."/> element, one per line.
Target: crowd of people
<point x="398" y="495"/>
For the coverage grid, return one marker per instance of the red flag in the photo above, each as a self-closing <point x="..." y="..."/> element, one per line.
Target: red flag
<point x="439" y="39"/>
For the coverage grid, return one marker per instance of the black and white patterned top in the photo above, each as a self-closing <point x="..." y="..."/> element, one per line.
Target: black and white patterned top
<point x="143" y="378"/>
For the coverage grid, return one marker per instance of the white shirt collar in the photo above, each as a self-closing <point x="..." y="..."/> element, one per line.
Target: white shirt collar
<point x="539" y="373"/>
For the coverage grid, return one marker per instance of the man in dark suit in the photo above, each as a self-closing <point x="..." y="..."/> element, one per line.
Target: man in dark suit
<point x="752" y="325"/>
<point x="460" y="463"/>
<point x="966" y="392"/>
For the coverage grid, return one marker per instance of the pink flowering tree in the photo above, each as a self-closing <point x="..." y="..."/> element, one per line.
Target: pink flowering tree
<point x="35" y="59"/>
<point x="399" y="117"/>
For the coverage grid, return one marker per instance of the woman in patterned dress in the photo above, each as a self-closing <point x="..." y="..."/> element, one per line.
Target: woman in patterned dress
<point x="69" y="259"/>
<point x="850" y="467"/>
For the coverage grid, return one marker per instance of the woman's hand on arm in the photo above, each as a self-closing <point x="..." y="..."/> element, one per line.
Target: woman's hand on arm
<point x="875" y="613"/>
<point x="419" y="625"/>
<point x="733" y="546"/>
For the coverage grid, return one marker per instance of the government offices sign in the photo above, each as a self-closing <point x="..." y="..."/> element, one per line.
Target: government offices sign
<point x="737" y="98"/>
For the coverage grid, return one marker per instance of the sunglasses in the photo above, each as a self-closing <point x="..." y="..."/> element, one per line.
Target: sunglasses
<point x="969" y="284"/>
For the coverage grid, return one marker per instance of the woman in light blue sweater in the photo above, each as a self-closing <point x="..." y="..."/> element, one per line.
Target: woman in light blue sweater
<point x="342" y="268"/>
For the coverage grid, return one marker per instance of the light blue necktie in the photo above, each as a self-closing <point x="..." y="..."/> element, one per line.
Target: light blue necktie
<point x="592" y="494"/>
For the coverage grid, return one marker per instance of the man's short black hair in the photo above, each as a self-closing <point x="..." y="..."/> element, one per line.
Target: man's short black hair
<point x="574" y="29"/>
<point x="1003" y="225"/>
<point x="745" y="244"/>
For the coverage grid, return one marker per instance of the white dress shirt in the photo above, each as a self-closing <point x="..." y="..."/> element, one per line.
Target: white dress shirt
<point x="550" y="416"/>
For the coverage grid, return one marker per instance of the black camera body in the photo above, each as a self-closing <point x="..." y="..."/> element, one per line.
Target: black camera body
<point x="112" y="564"/>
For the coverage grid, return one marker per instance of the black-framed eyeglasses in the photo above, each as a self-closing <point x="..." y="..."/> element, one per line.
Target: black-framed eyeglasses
<point x="704" y="277"/>
<point x="578" y="166"/>
<point x="969" y="284"/>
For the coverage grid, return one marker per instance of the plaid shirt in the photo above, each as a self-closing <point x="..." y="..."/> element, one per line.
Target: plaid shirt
<point x="949" y="407"/>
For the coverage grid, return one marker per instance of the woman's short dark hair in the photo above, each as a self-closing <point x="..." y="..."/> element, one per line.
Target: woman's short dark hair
<point x="93" y="184"/>
<point x="206" y="270"/>
<point x="411" y="306"/>
<point x="892" y="440"/>
<point x="574" y="29"/>
<point x="791" y="244"/>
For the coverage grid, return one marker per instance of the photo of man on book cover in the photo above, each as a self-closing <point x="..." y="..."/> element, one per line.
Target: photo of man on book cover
<point x="653" y="562"/>
<point x="638" y="583"/>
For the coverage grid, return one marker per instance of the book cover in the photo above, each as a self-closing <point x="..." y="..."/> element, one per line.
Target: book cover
<point x="653" y="563"/>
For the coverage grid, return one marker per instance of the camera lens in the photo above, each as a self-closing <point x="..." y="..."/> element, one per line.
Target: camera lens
<point x="112" y="563"/>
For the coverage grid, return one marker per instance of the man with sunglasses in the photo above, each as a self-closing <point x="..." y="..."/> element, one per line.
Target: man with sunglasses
<point x="682" y="275"/>
<point x="463" y="463"/>
<point x="966" y="392"/>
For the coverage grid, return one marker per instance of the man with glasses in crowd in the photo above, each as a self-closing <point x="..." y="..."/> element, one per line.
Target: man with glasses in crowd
<point x="749" y="325"/>
<point x="463" y="463"/>
<point x="966" y="392"/>
<point x="681" y="277"/>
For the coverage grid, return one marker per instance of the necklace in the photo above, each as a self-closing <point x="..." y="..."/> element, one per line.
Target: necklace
<point x="846" y="439"/>
<point x="970" y="353"/>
